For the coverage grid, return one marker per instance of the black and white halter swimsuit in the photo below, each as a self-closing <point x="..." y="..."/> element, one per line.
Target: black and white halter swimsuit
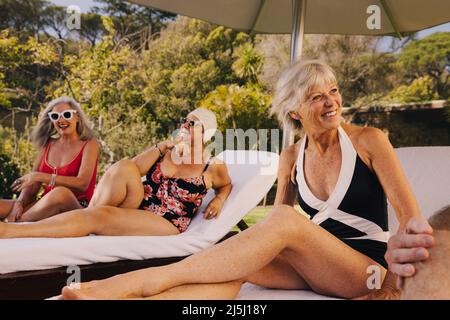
<point x="356" y="211"/>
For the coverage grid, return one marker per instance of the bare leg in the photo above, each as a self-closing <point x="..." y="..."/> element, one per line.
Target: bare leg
<point x="278" y="274"/>
<point x="60" y="199"/>
<point x="215" y="291"/>
<point x="101" y="220"/>
<point x="120" y="186"/>
<point x="309" y="249"/>
<point x="5" y="208"/>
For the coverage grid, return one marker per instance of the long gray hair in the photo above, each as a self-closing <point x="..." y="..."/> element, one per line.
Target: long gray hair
<point x="45" y="129"/>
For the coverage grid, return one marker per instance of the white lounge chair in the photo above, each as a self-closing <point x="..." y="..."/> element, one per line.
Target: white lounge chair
<point x="25" y="263"/>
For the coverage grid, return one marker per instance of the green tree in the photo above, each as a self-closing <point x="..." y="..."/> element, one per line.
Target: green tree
<point x="189" y="60"/>
<point x="26" y="67"/>
<point x="108" y="81"/>
<point x="361" y="70"/>
<point x="241" y="107"/>
<point x="18" y="148"/>
<point x="92" y="27"/>
<point x="245" y="107"/>
<point x="132" y="20"/>
<point x="430" y="57"/>
<point x="28" y="17"/>
<point x="421" y="89"/>
<point x="8" y="173"/>
<point x="248" y="63"/>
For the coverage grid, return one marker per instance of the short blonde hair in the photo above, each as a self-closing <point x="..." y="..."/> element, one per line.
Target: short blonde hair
<point x="45" y="129"/>
<point x="295" y="84"/>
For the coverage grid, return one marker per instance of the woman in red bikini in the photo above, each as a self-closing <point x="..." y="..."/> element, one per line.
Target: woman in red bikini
<point x="178" y="175"/>
<point x="66" y="164"/>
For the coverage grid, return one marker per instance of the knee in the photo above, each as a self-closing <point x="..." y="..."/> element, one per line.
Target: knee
<point x="97" y="215"/>
<point x="124" y="166"/>
<point x="61" y="195"/>
<point x="286" y="219"/>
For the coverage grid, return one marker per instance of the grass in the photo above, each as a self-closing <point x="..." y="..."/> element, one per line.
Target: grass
<point x="259" y="213"/>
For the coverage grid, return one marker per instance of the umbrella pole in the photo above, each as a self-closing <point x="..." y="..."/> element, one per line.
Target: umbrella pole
<point x="298" y="31"/>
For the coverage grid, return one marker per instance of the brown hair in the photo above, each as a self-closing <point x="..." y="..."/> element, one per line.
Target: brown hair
<point x="441" y="219"/>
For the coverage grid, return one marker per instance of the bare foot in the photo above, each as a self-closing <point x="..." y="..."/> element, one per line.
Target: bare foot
<point x="109" y="289"/>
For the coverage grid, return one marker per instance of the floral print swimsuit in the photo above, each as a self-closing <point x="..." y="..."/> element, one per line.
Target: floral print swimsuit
<point x="175" y="199"/>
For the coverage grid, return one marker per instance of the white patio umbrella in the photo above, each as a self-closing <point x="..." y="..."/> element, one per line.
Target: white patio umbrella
<point x="352" y="17"/>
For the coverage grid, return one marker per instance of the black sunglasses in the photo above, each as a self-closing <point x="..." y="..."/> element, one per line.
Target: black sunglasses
<point x="189" y="122"/>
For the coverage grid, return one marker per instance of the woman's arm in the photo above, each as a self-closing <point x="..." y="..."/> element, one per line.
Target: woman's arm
<point x="286" y="189"/>
<point x="147" y="159"/>
<point x="221" y="183"/>
<point x="388" y="169"/>
<point x="28" y="194"/>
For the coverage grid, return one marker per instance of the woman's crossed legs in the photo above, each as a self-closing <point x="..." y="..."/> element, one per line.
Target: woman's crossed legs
<point x="285" y="251"/>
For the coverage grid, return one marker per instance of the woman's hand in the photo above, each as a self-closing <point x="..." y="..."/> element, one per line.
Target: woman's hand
<point x="169" y="144"/>
<point x="166" y="145"/>
<point x="407" y="248"/>
<point x="23" y="182"/>
<point x="16" y="212"/>
<point x="213" y="209"/>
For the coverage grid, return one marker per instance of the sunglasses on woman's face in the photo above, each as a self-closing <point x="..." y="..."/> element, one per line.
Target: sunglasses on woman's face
<point x="190" y="123"/>
<point x="67" y="115"/>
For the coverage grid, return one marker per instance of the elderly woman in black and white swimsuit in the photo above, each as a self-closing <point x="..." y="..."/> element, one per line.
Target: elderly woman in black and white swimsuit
<point x="341" y="174"/>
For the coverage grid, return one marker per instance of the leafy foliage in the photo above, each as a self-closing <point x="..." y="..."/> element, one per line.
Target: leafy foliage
<point x="421" y="89"/>
<point x="8" y="173"/>
<point x="429" y="57"/>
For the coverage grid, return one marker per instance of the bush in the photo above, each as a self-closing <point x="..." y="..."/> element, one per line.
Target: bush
<point x="8" y="173"/>
<point x="421" y="89"/>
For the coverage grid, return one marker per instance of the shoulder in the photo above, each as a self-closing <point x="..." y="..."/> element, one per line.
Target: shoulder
<point x="92" y="146"/>
<point x="93" y="143"/>
<point x="289" y="155"/>
<point x="367" y="139"/>
<point x="218" y="171"/>
<point x="216" y="165"/>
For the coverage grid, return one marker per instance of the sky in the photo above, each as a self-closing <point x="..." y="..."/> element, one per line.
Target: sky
<point x="85" y="5"/>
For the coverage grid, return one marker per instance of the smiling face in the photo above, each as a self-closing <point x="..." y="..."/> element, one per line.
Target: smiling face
<point x="65" y="126"/>
<point x="321" y="109"/>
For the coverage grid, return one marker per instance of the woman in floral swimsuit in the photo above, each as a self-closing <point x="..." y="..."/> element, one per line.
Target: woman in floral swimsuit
<point x="175" y="199"/>
<point x="178" y="176"/>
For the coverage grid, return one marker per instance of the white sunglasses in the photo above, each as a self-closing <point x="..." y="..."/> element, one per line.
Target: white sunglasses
<point x="67" y="115"/>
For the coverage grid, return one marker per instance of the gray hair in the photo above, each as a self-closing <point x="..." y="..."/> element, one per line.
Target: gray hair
<point x="294" y="85"/>
<point x="45" y="129"/>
